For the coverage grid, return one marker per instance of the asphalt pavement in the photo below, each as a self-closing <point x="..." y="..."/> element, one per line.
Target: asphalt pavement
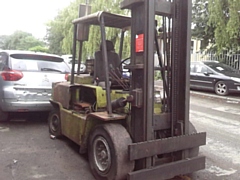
<point x="234" y="98"/>
<point x="27" y="152"/>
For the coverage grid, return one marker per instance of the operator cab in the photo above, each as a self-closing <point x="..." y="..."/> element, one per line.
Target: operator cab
<point x="113" y="65"/>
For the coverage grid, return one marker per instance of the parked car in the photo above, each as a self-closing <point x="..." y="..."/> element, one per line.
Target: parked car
<point x="68" y="59"/>
<point x="26" y="80"/>
<point x="214" y="76"/>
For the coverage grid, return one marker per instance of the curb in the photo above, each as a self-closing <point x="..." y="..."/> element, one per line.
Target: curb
<point x="209" y="95"/>
<point x="213" y="96"/>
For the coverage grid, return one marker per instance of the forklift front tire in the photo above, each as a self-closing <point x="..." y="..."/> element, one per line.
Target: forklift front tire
<point x="108" y="152"/>
<point x="194" y="151"/>
<point x="54" y="123"/>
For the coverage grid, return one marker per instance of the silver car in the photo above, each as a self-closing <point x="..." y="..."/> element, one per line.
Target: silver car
<point x="68" y="59"/>
<point x="26" y="80"/>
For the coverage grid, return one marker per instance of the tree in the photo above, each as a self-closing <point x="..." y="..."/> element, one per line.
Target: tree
<point x="60" y="30"/>
<point x="20" y="40"/>
<point x="54" y="36"/>
<point x="201" y="29"/>
<point x="3" y="39"/>
<point x="225" y="18"/>
<point x="39" y="49"/>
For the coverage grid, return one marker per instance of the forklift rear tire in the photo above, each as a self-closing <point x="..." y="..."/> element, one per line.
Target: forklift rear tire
<point x="108" y="152"/>
<point x="54" y="123"/>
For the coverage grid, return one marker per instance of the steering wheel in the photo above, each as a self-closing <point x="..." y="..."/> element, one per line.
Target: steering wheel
<point x="123" y="63"/>
<point x="125" y="72"/>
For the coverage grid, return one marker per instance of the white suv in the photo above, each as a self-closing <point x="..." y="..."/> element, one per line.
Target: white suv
<point x="26" y="80"/>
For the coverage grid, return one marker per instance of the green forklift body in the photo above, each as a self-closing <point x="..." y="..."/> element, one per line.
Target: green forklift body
<point x="157" y="142"/>
<point x="83" y="106"/>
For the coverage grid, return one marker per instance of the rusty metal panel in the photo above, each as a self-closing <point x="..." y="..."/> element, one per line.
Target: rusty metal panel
<point x="106" y="117"/>
<point x="162" y="121"/>
<point x="64" y="92"/>
<point x="163" y="7"/>
<point x="83" y="79"/>
<point x="110" y="20"/>
<point x="83" y="29"/>
<point x="73" y="125"/>
<point x="169" y="170"/>
<point x="166" y="145"/>
<point x="126" y="4"/>
<point x="61" y="93"/>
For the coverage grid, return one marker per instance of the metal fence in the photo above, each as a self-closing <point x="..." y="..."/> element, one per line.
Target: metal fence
<point x="232" y="60"/>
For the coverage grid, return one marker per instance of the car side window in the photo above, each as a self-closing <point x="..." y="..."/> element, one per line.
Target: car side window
<point x="209" y="71"/>
<point x="201" y="68"/>
<point x="3" y="61"/>
<point x="192" y="68"/>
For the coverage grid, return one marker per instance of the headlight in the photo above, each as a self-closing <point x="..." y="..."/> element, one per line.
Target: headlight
<point x="235" y="79"/>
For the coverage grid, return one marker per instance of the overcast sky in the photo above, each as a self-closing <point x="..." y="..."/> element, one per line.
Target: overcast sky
<point x="28" y="15"/>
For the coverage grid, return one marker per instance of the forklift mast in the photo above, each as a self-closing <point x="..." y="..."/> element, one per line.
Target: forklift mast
<point x="174" y="62"/>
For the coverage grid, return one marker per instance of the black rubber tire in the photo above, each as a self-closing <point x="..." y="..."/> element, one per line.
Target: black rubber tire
<point x="54" y="123"/>
<point x="194" y="151"/>
<point x="4" y="116"/>
<point x="108" y="152"/>
<point x="221" y="88"/>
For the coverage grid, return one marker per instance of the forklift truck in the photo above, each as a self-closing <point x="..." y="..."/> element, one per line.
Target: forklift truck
<point x="125" y="131"/>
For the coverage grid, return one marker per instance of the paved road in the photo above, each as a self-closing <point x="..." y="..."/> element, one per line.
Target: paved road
<point x="220" y="118"/>
<point x="27" y="152"/>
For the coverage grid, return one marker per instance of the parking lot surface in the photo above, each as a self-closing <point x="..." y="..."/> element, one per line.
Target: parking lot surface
<point x="27" y="153"/>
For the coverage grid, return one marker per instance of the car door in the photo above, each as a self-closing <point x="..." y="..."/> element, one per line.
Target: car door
<point x="193" y="74"/>
<point x="204" y="78"/>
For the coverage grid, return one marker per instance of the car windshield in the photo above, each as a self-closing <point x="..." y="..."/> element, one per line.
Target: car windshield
<point x="220" y="67"/>
<point x="32" y="62"/>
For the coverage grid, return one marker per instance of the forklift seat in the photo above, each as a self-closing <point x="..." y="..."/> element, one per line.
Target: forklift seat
<point x="113" y="63"/>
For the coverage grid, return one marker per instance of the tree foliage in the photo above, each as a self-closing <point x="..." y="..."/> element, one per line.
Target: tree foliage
<point x="39" y="49"/>
<point x="225" y="18"/>
<point x="217" y="22"/>
<point x="60" y="30"/>
<point x="20" y="40"/>
<point x="201" y="29"/>
<point x="3" y="39"/>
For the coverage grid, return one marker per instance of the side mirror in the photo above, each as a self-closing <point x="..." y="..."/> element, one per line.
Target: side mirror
<point x="207" y="73"/>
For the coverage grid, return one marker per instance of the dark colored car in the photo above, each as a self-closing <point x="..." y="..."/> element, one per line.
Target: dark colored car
<point x="214" y="76"/>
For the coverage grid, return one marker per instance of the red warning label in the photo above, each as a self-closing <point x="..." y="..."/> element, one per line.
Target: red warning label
<point x="139" y="43"/>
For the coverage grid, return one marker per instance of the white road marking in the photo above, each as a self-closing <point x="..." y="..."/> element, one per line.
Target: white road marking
<point x="221" y="172"/>
<point x="4" y="129"/>
<point x="39" y="176"/>
<point x="219" y="123"/>
<point x="228" y="110"/>
<point x="222" y="150"/>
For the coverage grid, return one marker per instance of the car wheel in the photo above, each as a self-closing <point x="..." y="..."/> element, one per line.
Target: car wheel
<point x="3" y="116"/>
<point x="54" y="123"/>
<point x="108" y="152"/>
<point x="221" y="88"/>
